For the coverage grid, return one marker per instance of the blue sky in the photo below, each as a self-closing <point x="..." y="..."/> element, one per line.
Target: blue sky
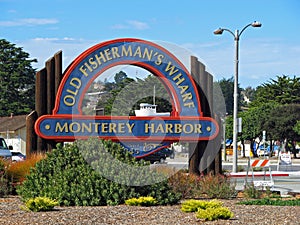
<point x="44" y="27"/>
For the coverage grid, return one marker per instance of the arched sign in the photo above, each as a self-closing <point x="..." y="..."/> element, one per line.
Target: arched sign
<point x="185" y="123"/>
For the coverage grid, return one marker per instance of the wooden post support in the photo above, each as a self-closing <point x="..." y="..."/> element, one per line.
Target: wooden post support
<point x="194" y="157"/>
<point x="204" y="155"/>
<point x="31" y="137"/>
<point x="50" y="67"/>
<point x="46" y="86"/>
<point x="212" y="150"/>
<point x="40" y="102"/>
<point x="202" y="145"/>
<point x="58" y="70"/>
<point x="197" y="149"/>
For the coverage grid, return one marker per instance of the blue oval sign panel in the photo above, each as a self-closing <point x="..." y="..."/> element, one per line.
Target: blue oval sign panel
<point x="184" y="123"/>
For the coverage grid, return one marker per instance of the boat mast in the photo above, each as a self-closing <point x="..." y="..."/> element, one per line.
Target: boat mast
<point x="154" y="95"/>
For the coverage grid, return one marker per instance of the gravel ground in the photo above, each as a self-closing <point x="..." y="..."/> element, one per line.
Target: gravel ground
<point x="10" y="213"/>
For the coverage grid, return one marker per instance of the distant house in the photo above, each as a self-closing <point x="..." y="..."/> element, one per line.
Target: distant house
<point x="93" y="98"/>
<point x="13" y="130"/>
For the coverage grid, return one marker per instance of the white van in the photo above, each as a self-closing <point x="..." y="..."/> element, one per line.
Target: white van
<point x="5" y="153"/>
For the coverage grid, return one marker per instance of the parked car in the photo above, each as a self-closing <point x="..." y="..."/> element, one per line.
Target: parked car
<point x="263" y="152"/>
<point x="5" y="152"/>
<point x="159" y="156"/>
<point x="266" y="151"/>
<point x="17" y="156"/>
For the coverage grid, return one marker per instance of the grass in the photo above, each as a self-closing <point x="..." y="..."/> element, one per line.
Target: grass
<point x="269" y="201"/>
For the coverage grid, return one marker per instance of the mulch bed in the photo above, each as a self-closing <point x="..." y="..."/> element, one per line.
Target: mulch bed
<point x="10" y="213"/>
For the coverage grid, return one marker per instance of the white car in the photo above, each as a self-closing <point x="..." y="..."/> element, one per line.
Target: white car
<point x="17" y="157"/>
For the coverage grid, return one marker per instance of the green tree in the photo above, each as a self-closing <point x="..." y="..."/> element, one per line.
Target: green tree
<point x="162" y="97"/>
<point x="263" y="113"/>
<point x="297" y="127"/>
<point x="281" y="122"/>
<point x="253" y="120"/>
<point x="226" y="86"/>
<point x="284" y="90"/>
<point x="17" y="79"/>
<point x="126" y="95"/>
<point x="229" y="127"/>
<point x="120" y="77"/>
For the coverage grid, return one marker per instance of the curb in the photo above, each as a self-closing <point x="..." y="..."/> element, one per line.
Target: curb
<point x="259" y="174"/>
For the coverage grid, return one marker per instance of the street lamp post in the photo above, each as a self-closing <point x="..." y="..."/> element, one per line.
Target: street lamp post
<point x="236" y="36"/>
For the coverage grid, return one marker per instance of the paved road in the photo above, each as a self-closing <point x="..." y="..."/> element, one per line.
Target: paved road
<point x="284" y="184"/>
<point x="290" y="182"/>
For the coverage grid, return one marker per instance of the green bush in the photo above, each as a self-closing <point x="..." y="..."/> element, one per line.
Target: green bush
<point x="214" y="213"/>
<point x="207" y="210"/>
<point x="217" y="186"/>
<point x="39" y="204"/>
<point x="70" y="174"/>
<point x="141" y="201"/>
<point x="193" y="205"/>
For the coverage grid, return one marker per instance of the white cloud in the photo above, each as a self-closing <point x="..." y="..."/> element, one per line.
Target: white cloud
<point x="12" y="11"/>
<point x="131" y="24"/>
<point x="119" y="27"/>
<point x="70" y="47"/>
<point x="28" y="22"/>
<point x="138" y="25"/>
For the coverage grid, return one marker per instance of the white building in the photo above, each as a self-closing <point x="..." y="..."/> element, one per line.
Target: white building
<point x="13" y="130"/>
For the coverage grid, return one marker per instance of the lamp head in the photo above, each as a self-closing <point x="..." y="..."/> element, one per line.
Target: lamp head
<point x="219" y="31"/>
<point x="256" y="24"/>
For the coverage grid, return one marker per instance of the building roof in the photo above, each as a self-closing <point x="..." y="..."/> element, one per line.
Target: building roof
<point x="12" y="123"/>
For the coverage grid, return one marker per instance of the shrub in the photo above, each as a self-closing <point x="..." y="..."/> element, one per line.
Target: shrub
<point x="251" y="192"/>
<point x="39" y="204"/>
<point x="5" y="188"/>
<point x="2" y="165"/>
<point x="67" y="175"/>
<point x="207" y="210"/>
<point x="17" y="171"/>
<point x="141" y="201"/>
<point x="217" y="186"/>
<point x="193" y="205"/>
<point x="188" y="185"/>
<point x="214" y="213"/>
<point x="194" y="186"/>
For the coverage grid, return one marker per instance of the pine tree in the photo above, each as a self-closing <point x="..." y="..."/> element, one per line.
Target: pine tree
<point x="17" y="79"/>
